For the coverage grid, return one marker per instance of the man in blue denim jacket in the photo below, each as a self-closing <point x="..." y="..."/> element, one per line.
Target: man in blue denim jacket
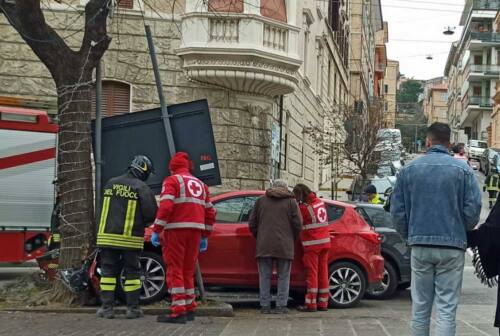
<point x="436" y="200"/>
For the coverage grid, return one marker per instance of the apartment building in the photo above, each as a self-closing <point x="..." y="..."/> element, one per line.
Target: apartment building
<point x="390" y="92"/>
<point x="436" y="100"/>
<point x="472" y="69"/>
<point x="366" y="21"/>
<point x="269" y="69"/>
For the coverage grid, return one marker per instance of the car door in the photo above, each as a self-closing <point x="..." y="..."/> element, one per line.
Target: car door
<point x="230" y="258"/>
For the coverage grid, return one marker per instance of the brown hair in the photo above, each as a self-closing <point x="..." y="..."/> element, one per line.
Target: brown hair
<point x="301" y="191"/>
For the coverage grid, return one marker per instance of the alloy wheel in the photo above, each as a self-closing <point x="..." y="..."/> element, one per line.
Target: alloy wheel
<point x="152" y="277"/>
<point x="345" y="285"/>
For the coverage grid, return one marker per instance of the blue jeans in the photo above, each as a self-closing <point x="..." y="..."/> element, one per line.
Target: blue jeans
<point x="436" y="277"/>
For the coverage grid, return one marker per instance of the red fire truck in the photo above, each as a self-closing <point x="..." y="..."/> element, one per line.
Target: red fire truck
<point x="27" y="171"/>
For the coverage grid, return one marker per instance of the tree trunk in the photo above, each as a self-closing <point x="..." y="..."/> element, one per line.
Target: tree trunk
<point x="74" y="168"/>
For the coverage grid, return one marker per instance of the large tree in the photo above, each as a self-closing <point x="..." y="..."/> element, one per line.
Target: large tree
<point x="72" y="73"/>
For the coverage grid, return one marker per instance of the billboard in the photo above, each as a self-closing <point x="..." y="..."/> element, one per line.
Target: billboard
<point x="143" y="132"/>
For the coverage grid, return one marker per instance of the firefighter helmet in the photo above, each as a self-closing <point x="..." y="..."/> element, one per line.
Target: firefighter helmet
<point x="141" y="167"/>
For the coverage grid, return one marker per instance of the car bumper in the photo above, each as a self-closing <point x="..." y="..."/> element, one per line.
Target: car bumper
<point x="405" y="272"/>
<point x="376" y="271"/>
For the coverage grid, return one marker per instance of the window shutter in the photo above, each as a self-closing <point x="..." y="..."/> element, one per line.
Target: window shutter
<point x="115" y="99"/>
<point x="126" y="4"/>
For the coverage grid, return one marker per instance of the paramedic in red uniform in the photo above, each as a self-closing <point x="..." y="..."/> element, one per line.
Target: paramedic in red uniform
<point x="315" y="238"/>
<point x="184" y="217"/>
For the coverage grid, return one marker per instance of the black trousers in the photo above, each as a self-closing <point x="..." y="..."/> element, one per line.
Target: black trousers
<point x="113" y="261"/>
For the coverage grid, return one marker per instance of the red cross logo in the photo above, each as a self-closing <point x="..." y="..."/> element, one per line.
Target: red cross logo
<point x="195" y="188"/>
<point x="322" y="215"/>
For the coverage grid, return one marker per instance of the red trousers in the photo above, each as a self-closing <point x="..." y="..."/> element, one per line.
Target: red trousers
<point x="180" y="255"/>
<point x="316" y="265"/>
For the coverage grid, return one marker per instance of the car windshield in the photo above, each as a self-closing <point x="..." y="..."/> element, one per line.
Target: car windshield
<point x="479" y="144"/>
<point x="382" y="185"/>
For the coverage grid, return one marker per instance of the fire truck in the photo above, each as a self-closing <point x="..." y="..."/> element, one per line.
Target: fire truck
<point x="28" y="142"/>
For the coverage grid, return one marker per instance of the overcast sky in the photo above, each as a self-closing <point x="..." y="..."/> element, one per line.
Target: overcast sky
<point x="410" y="22"/>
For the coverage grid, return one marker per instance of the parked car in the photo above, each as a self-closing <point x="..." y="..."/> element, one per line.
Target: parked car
<point x="397" y="270"/>
<point x="475" y="148"/>
<point x="490" y="158"/>
<point x="355" y="262"/>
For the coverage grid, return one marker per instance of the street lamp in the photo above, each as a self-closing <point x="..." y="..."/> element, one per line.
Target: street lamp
<point x="449" y="30"/>
<point x="429" y="57"/>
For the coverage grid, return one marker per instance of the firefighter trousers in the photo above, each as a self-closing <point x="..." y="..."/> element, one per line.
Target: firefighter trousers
<point x="180" y="255"/>
<point x="492" y="197"/>
<point x="316" y="265"/>
<point x="112" y="263"/>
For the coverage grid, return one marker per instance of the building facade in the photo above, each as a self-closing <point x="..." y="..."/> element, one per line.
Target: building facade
<point x="366" y="21"/>
<point x="436" y="100"/>
<point x="269" y="69"/>
<point x="472" y="69"/>
<point x="390" y="92"/>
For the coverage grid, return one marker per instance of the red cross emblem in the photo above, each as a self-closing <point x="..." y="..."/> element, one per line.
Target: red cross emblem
<point x="322" y="215"/>
<point x="195" y="188"/>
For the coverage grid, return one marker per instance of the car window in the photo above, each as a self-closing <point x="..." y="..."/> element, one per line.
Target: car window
<point x="379" y="217"/>
<point x="234" y="210"/>
<point x="335" y="212"/>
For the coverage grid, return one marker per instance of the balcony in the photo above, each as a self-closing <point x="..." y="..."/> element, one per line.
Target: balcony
<point x="476" y="72"/>
<point x="473" y="107"/>
<point x="485" y="102"/>
<point x="479" y="40"/>
<point x="241" y="52"/>
<point x="485" y="4"/>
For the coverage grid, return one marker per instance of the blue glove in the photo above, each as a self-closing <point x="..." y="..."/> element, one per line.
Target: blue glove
<point x="155" y="239"/>
<point x="204" y="244"/>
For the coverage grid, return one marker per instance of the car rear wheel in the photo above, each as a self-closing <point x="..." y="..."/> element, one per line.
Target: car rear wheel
<point x="153" y="271"/>
<point x="389" y="284"/>
<point x="347" y="284"/>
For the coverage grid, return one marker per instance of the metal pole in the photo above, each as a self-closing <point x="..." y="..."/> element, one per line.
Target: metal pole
<point x="168" y="131"/>
<point x="159" y="88"/>
<point x="98" y="136"/>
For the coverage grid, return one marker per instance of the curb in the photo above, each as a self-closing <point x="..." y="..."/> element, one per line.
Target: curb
<point x="220" y="310"/>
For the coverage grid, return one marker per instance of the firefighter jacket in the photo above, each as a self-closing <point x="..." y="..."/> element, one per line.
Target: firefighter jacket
<point x="492" y="182"/>
<point x="376" y="200"/>
<point x="128" y="206"/>
<point x="315" y="233"/>
<point x="184" y="201"/>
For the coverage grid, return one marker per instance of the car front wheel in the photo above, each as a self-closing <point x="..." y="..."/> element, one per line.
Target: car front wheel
<point x="389" y="284"/>
<point x="153" y="271"/>
<point x="347" y="284"/>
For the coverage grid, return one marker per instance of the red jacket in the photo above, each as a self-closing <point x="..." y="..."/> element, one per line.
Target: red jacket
<point x="184" y="201"/>
<point x="315" y="233"/>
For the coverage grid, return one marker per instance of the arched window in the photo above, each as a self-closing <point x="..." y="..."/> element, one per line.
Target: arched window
<point x="115" y="98"/>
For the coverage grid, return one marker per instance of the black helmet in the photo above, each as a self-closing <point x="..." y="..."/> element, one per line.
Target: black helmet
<point x="141" y="167"/>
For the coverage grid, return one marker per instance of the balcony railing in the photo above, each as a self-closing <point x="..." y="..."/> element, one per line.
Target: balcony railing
<point x="488" y="68"/>
<point x="485" y="37"/>
<point x="486" y="4"/>
<point x="480" y="101"/>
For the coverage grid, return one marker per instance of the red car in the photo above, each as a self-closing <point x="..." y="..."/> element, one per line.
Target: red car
<point x="355" y="260"/>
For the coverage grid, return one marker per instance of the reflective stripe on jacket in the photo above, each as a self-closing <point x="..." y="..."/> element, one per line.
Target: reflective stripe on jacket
<point x="493" y="182"/>
<point x="128" y="206"/>
<point x="185" y="204"/>
<point x="315" y="233"/>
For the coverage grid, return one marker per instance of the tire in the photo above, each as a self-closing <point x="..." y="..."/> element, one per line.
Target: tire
<point x="389" y="284"/>
<point x="153" y="271"/>
<point x="347" y="284"/>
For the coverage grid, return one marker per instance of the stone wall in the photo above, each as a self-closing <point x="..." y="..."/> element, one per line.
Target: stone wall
<point x="242" y="124"/>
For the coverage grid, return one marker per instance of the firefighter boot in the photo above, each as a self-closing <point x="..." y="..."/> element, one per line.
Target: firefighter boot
<point x="108" y="300"/>
<point x="133" y="310"/>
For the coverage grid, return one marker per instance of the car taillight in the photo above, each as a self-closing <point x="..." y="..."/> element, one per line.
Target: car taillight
<point x="371" y="236"/>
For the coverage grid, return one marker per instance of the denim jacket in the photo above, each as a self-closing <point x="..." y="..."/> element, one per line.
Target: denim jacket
<point x="436" y="200"/>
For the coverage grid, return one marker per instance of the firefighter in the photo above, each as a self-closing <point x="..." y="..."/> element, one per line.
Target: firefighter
<point x="184" y="217"/>
<point x="492" y="186"/>
<point x="128" y="206"/>
<point x="373" y="196"/>
<point x="55" y="235"/>
<point x="315" y="238"/>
